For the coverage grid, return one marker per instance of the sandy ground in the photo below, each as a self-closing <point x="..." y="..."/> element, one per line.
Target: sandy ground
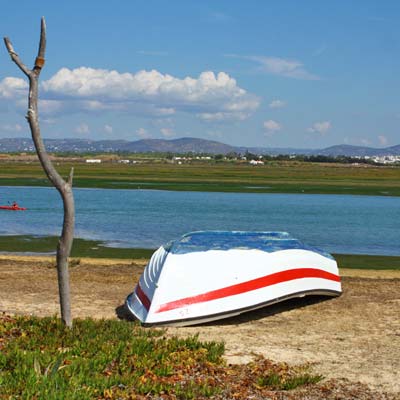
<point x="355" y="336"/>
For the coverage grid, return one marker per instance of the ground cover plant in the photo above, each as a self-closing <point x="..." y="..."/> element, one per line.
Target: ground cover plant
<point x="109" y="359"/>
<point x="41" y="359"/>
<point x="274" y="177"/>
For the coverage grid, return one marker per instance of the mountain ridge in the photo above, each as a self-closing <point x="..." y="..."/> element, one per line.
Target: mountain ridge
<point x="183" y="145"/>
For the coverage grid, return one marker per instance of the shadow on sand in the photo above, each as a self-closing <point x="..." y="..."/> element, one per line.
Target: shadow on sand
<point x="267" y="311"/>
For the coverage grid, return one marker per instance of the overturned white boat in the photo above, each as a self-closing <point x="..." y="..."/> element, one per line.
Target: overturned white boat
<point x="204" y="276"/>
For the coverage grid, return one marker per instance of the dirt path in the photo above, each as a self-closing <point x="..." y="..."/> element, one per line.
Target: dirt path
<point x="355" y="336"/>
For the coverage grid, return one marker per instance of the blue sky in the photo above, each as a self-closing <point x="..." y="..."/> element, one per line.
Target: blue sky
<point x="306" y="74"/>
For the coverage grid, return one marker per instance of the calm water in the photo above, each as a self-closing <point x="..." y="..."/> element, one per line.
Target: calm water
<point x="148" y="218"/>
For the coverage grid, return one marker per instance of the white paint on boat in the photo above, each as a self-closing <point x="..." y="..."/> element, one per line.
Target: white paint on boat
<point x="210" y="275"/>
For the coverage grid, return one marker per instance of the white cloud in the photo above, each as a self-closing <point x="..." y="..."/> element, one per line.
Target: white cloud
<point x="167" y="132"/>
<point x="284" y="67"/>
<point x="280" y="66"/>
<point x="142" y="133"/>
<point x="383" y="140"/>
<point x="222" y="116"/>
<point x="108" y="128"/>
<point x="12" y="88"/>
<point x="210" y="96"/>
<point x="320" y="127"/>
<point x="272" y="126"/>
<point x="277" y="104"/>
<point x="82" y="128"/>
<point x="48" y="107"/>
<point x="150" y="93"/>
<point x="219" y="116"/>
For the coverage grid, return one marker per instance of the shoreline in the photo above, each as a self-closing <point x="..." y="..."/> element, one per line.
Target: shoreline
<point x="214" y="187"/>
<point x="32" y="245"/>
<point x="141" y="262"/>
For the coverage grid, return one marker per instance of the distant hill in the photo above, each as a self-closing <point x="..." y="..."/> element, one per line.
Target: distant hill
<point x="183" y="145"/>
<point x="180" y="146"/>
<point x="361" y="151"/>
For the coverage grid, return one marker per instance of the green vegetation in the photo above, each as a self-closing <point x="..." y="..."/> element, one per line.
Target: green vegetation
<point x="107" y="359"/>
<point x="99" y="359"/>
<point x="273" y="177"/>
<point x="283" y="382"/>
<point x="80" y="247"/>
<point x="361" y="261"/>
<point x="96" y="249"/>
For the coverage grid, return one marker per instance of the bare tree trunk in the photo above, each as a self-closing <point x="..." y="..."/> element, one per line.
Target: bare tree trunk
<point x="64" y="188"/>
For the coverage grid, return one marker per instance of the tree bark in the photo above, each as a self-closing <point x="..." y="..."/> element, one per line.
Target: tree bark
<point x="63" y="187"/>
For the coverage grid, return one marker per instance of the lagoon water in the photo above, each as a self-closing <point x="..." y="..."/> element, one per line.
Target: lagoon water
<point x="149" y="218"/>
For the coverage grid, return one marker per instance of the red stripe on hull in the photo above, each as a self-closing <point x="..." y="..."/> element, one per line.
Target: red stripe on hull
<point x="142" y="297"/>
<point x="258" y="283"/>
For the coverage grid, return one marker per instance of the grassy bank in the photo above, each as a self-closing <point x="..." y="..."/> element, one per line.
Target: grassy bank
<point x="362" y="261"/>
<point x="274" y="177"/>
<point x="80" y="248"/>
<point x="96" y="249"/>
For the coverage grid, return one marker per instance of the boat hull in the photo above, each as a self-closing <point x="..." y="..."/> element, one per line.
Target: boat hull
<point x="233" y="313"/>
<point x="12" y="208"/>
<point x="196" y="285"/>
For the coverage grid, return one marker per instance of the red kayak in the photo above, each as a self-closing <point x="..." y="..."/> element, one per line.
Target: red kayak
<point x="14" y="207"/>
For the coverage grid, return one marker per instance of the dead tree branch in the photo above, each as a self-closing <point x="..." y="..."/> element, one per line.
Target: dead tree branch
<point x="64" y="188"/>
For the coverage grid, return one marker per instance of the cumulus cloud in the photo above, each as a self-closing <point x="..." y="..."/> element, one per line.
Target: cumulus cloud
<point x="271" y="126"/>
<point x="209" y="96"/>
<point x="320" y="127"/>
<point x="49" y="107"/>
<point x="13" y="88"/>
<point x="277" y="104"/>
<point x="82" y="128"/>
<point x="147" y="93"/>
<point x="383" y="140"/>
